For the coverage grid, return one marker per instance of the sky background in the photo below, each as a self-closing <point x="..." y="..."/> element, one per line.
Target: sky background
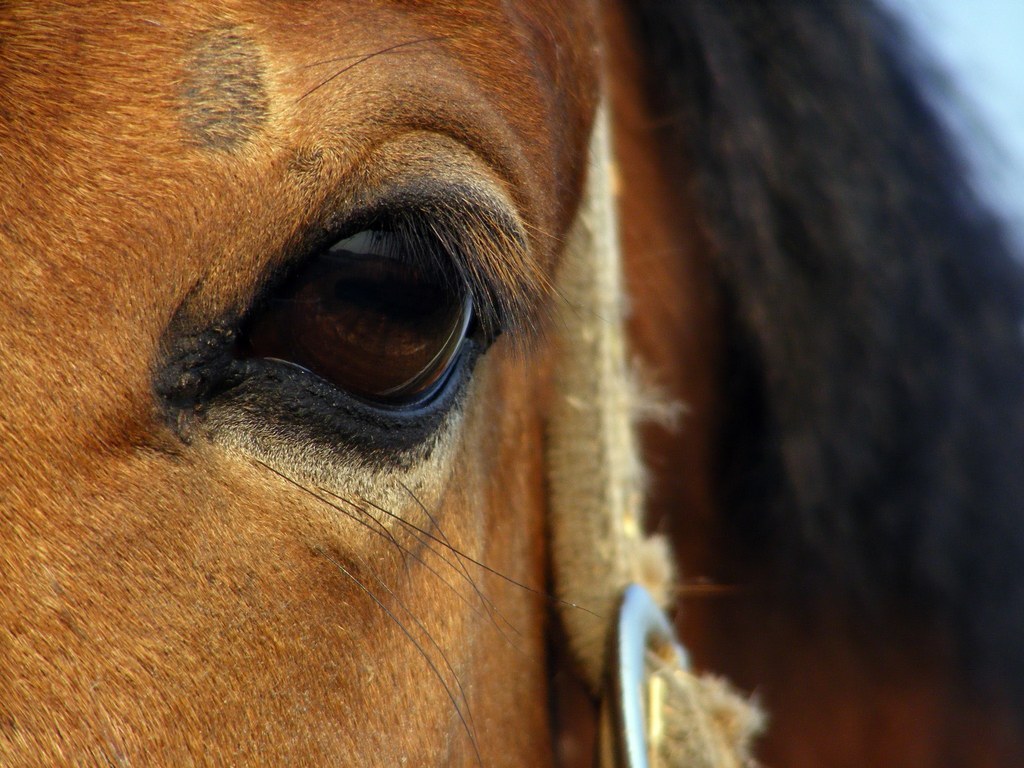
<point x="980" y="45"/>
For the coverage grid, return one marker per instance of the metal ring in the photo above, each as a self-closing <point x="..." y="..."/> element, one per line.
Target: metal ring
<point x="640" y="625"/>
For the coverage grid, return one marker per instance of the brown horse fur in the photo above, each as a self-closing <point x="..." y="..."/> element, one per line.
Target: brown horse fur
<point x="194" y="575"/>
<point x="176" y="589"/>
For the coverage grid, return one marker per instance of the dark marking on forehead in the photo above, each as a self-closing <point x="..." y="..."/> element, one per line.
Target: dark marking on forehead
<point x="224" y="100"/>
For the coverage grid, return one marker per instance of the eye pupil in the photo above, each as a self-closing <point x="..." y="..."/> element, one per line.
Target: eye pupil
<point x="364" y="318"/>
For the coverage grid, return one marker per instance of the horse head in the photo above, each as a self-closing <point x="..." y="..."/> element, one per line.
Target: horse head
<point x="320" y="362"/>
<point x="250" y="474"/>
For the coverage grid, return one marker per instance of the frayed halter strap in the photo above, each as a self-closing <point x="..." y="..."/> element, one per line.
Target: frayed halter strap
<point x="655" y="711"/>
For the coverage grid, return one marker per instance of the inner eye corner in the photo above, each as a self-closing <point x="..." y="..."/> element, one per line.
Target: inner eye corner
<point x="377" y="316"/>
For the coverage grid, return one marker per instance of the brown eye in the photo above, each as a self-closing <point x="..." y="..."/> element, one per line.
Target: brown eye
<point x="365" y="319"/>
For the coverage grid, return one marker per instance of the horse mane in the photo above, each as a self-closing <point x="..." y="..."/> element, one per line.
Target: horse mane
<point x="875" y="384"/>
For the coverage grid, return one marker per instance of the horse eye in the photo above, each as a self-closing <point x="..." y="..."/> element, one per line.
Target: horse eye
<point x="372" y="323"/>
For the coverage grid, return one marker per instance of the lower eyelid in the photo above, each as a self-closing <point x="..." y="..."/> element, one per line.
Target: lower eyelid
<point x="277" y="403"/>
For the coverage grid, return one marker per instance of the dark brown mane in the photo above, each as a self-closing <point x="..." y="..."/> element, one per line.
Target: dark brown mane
<point x="877" y="369"/>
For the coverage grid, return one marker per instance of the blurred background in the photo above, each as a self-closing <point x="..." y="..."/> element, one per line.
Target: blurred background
<point x="979" y="48"/>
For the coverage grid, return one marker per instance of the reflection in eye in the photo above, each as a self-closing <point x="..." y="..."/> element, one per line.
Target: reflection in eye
<point x="374" y="324"/>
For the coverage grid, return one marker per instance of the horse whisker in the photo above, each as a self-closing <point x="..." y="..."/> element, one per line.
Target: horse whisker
<point x="350" y="57"/>
<point x="405" y="552"/>
<point x="488" y="603"/>
<point x="549" y="598"/>
<point x="365" y="58"/>
<point x="384" y="531"/>
<point x="420" y="560"/>
<point x="685" y="590"/>
<point x="426" y="657"/>
<point x="490" y="609"/>
<point x="433" y="642"/>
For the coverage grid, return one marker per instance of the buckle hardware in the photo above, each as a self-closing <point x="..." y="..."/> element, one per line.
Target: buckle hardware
<point x="640" y="627"/>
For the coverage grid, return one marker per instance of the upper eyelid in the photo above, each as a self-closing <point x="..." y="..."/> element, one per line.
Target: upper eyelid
<point x="479" y="237"/>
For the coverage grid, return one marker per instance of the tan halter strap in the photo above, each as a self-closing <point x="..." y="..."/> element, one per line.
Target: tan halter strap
<point x="654" y="711"/>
